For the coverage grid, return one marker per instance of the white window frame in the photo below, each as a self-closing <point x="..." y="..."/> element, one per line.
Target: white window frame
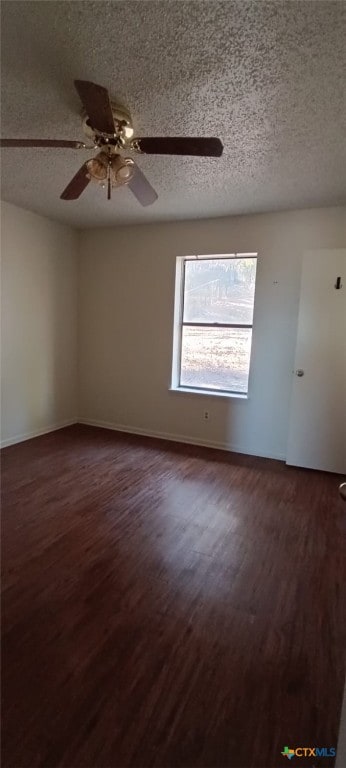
<point x="179" y="324"/>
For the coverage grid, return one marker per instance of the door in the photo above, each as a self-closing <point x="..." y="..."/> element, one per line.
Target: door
<point x="317" y="428"/>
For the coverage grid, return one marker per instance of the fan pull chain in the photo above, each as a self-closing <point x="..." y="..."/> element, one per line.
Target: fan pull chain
<point x="109" y="180"/>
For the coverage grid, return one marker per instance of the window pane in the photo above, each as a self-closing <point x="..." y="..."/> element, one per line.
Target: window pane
<point x="219" y="290"/>
<point x="216" y="358"/>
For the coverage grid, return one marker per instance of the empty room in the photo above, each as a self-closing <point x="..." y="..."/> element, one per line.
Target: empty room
<point x="173" y="383"/>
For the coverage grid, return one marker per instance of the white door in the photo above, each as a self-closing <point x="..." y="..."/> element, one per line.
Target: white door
<point x="317" y="429"/>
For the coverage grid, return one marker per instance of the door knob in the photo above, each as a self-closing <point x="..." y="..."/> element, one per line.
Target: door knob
<point x="299" y="372"/>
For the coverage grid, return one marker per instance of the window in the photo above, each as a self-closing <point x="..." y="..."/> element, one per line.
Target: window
<point x="213" y="323"/>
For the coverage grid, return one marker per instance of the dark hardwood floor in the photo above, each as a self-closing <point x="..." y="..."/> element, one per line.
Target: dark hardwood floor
<point x="167" y="606"/>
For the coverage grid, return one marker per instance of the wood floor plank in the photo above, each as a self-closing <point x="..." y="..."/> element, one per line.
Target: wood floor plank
<point x="167" y="606"/>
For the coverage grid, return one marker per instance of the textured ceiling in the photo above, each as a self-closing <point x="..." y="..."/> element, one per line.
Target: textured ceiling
<point x="267" y="77"/>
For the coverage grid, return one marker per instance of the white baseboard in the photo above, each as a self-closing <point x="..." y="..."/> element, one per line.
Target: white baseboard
<point x="36" y="433"/>
<point x="173" y="437"/>
<point x="179" y="438"/>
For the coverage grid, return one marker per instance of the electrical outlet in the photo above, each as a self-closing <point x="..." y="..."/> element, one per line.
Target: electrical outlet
<point x="206" y="415"/>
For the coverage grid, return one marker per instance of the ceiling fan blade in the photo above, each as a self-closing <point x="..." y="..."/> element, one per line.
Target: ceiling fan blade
<point x="41" y="143"/>
<point x="141" y="188"/>
<point x="180" y="145"/>
<point x="77" y="185"/>
<point x="96" y="102"/>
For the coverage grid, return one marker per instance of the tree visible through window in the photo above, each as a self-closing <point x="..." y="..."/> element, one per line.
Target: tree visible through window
<point x="216" y="322"/>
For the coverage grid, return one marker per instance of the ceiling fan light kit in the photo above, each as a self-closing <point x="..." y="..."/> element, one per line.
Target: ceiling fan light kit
<point x="120" y="169"/>
<point x="109" y="126"/>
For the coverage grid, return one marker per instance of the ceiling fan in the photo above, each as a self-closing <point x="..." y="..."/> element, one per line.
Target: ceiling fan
<point x="109" y="127"/>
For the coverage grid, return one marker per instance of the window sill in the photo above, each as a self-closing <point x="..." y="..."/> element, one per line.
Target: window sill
<point x="204" y="392"/>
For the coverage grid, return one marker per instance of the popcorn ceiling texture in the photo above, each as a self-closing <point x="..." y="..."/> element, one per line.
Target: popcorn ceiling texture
<point x="267" y="77"/>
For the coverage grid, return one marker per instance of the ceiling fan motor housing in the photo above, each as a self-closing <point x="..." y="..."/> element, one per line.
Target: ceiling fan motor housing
<point x="123" y="128"/>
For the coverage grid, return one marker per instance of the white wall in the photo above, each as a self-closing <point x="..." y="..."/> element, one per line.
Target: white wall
<point x="341" y="748"/>
<point x="38" y="324"/>
<point x="126" y="298"/>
